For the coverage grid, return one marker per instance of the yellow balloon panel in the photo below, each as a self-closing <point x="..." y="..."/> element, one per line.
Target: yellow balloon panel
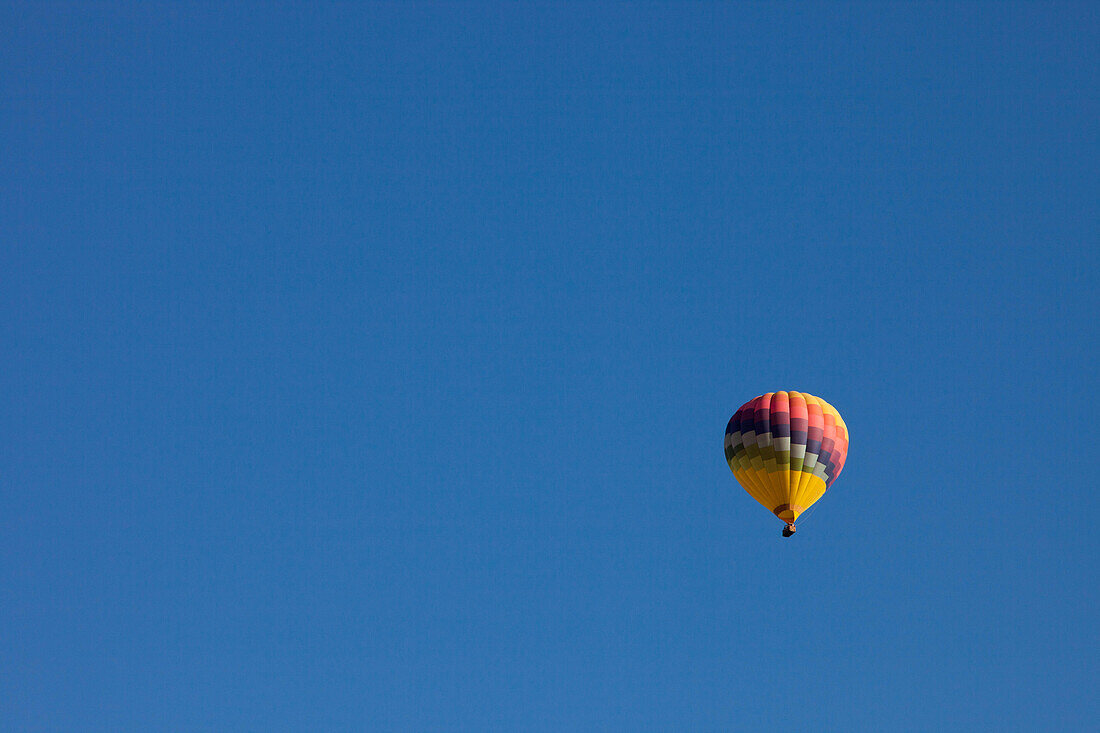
<point x="786" y="496"/>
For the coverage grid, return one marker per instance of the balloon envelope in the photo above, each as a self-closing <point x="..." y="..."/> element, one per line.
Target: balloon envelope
<point x="786" y="449"/>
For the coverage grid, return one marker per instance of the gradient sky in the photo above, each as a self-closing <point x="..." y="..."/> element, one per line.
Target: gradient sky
<point x="366" y="366"/>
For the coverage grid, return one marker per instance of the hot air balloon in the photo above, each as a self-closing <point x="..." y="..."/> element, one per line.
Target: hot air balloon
<point x="786" y="449"/>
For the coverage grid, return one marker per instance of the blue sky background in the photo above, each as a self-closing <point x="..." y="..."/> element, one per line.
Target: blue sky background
<point x="366" y="366"/>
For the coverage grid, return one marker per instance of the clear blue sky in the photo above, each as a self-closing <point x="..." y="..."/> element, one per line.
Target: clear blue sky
<point x="366" y="366"/>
